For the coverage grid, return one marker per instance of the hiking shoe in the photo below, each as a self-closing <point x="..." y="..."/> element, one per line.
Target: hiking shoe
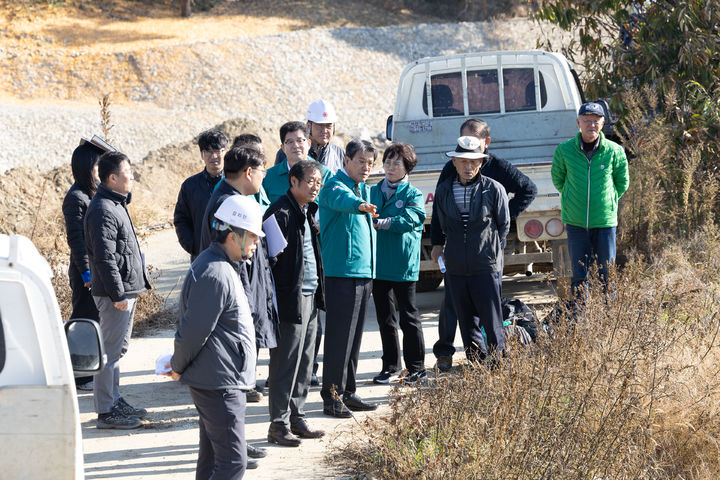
<point x="256" y="452"/>
<point x="416" y="378"/>
<point x="444" y="363"/>
<point x="117" y="419"/>
<point x="253" y="396"/>
<point x="385" y="377"/>
<point x="129" y="410"/>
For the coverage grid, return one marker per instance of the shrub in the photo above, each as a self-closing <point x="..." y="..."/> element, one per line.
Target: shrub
<point x="628" y="391"/>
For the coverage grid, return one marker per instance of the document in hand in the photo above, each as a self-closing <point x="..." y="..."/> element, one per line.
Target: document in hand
<point x="276" y="242"/>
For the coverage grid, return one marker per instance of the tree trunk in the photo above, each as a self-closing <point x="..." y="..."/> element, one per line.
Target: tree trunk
<point x="185" y="8"/>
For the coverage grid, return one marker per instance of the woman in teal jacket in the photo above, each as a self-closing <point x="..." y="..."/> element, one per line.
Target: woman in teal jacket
<point x="399" y="225"/>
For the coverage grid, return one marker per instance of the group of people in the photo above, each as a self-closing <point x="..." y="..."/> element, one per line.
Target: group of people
<point x="344" y="241"/>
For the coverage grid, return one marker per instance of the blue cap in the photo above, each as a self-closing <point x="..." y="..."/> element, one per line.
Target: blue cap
<point x="591" y="108"/>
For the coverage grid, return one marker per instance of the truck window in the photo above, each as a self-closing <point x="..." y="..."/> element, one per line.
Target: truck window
<point x="519" y="86"/>
<point x="483" y="92"/>
<point x="447" y="96"/>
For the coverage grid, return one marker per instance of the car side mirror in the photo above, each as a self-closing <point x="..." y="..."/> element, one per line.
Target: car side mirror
<point x="87" y="354"/>
<point x="388" y="127"/>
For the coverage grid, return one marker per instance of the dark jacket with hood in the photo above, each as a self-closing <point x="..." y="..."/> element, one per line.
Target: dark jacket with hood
<point x="289" y="267"/>
<point x="76" y="203"/>
<point x="255" y="274"/>
<point x="190" y="209"/>
<point x="116" y="263"/>
<point x="502" y="171"/>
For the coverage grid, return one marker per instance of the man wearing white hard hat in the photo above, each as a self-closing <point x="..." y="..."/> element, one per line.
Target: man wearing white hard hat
<point x="215" y="351"/>
<point x="475" y="218"/>
<point x="321" y="119"/>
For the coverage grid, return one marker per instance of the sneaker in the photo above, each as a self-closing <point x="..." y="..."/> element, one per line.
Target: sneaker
<point x="256" y="452"/>
<point x="129" y="410"/>
<point x="86" y="387"/>
<point x="385" y="377"/>
<point x="253" y="396"/>
<point x="117" y="419"/>
<point x="444" y="363"/>
<point x="416" y="378"/>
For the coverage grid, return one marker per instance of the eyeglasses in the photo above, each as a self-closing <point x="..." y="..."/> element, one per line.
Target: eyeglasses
<point x="295" y="141"/>
<point x="393" y="163"/>
<point x="213" y="153"/>
<point x="368" y="163"/>
<point x="263" y="172"/>
<point x="314" y="183"/>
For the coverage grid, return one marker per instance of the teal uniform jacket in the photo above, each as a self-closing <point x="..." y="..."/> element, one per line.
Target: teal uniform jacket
<point x="347" y="237"/>
<point x="277" y="180"/>
<point x="398" y="248"/>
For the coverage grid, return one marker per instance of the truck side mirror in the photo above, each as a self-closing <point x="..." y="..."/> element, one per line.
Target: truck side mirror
<point x="87" y="354"/>
<point x="388" y="127"/>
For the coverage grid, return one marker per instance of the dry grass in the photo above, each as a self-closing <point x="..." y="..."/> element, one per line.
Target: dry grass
<point x="629" y="391"/>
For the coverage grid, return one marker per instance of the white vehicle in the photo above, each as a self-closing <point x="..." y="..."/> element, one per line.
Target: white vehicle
<point x="40" y="434"/>
<point x="530" y="100"/>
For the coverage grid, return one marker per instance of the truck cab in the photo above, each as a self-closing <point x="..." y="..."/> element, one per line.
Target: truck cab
<point x="40" y="434"/>
<point x="530" y="100"/>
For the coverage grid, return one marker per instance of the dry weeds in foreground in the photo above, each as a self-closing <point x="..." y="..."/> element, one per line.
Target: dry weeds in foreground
<point x="629" y="391"/>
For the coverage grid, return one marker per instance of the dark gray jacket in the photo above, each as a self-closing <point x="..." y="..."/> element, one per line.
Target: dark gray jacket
<point x="190" y="209"/>
<point x="116" y="264"/>
<point x="215" y="338"/>
<point x="478" y="249"/>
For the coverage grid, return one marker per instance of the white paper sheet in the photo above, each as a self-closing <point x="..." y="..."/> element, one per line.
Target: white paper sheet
<point x="273" y="235"/>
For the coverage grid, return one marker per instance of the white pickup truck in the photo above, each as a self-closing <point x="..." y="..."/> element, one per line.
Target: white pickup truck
<point x="40" y="434"/>
<point x="530" y="100"/>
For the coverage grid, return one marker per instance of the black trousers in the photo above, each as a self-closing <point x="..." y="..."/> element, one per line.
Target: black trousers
<point x="83" y="305"/>
<point x="447" y="325"/>
<point x="478" y="303"/>
<point x="346" y="301"/>
<point x="223" y="452"/>
<point x="387" y="318"/>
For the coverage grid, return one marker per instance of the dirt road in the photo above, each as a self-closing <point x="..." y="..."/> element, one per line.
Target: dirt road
<point x="166" y="448"/>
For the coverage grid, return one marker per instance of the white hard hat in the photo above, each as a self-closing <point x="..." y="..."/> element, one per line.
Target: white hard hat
<point x="241" y="211"/>
<point x="321" y="111"/>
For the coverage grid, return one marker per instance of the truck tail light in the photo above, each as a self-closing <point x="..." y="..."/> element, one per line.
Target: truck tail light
<point x="554" y="227"/>
<point x="533" y="228"/>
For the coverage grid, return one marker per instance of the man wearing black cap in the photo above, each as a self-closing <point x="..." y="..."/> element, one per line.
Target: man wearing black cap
<point x="591" y="174"/>
<point x="474" y="216"/>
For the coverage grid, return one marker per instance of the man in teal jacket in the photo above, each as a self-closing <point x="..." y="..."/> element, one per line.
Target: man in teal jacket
<point x="591" y="174"/>
<point x="296" y="145"/>
<point x="347" y="241"/>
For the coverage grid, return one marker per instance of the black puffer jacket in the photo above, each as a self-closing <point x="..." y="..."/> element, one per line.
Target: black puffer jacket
<point x="76" y="203"/>
<point x="116" y="264"/>
<point x="190" y="209"/>
<point x="289" y="268"/>
<point x="502" y="171"/>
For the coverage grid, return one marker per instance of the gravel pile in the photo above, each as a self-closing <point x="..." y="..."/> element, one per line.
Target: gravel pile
<point x="175" y="92"/>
